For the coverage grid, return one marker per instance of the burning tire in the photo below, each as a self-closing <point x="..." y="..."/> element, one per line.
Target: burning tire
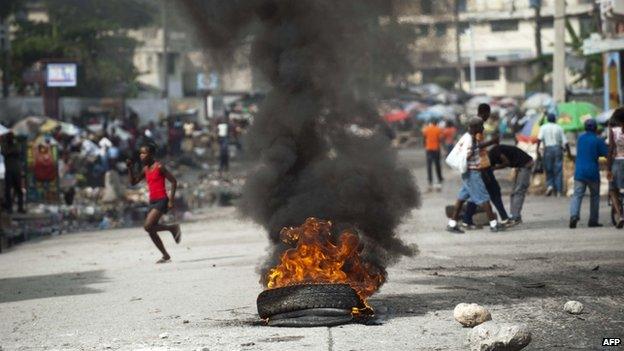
<point x="319" y="297"/>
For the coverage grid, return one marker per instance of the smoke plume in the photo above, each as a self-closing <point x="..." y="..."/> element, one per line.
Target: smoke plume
<point x="320" y="147"/>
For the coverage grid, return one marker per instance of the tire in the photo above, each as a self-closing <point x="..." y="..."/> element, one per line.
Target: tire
<point x="307" y="296"/>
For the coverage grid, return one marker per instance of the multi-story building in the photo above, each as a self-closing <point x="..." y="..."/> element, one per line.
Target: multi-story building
<point x="186" y="64"/>
<point x="498" y="34"/>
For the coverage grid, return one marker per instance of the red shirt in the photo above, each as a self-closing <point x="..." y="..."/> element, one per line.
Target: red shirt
<point x="155" y="182"/>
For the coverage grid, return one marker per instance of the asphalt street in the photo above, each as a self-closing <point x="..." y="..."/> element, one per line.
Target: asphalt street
<point x="102" y="290"/>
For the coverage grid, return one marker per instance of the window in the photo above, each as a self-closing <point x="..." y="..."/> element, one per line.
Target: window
<point x="504" y="25"/>
<point x="440" y="29"/>
<point x="548" y="23"/>
<point x="587" y="25"/>
<point x="423" y="30"/>
<point x="463" y="27"/>
<point x="462" y="6"/>
<point x="426" y="6"/>
<point x="171" y="63"/>
<point x="484" y="73"/>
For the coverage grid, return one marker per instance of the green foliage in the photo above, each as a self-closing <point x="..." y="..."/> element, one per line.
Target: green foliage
<point x="592" y="70"/>
<point x="92" y="32"/>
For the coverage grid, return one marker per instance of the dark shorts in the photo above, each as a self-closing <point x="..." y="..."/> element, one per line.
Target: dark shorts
<point x="161" y="205"/>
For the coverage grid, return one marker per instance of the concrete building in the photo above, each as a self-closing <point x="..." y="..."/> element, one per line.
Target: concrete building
<point x="609" y="41"/>
<point x="188" y="66"/>
<point x="499" y="34"/>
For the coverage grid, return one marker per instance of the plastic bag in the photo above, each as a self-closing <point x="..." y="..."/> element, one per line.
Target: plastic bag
<point x="458" y="157"/>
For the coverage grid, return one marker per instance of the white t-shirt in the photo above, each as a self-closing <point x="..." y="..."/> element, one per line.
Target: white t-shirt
<point x="551" y="134"/>
<point x="222" y="130"/>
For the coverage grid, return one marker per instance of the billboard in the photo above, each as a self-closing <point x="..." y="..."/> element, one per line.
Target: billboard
<point x="61" y="74"/>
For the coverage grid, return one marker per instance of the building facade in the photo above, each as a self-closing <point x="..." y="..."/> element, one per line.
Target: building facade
<point x="499" y="35"/>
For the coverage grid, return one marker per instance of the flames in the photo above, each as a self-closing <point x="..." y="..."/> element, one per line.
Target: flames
<point x="317" y="256"/>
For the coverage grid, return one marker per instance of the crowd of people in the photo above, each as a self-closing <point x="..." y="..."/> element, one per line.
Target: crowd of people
<point x="83" y="158"/>
<point x="477" y="159"/>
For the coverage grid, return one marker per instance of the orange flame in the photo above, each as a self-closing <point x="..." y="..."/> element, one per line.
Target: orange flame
<point x="316" y="258"/>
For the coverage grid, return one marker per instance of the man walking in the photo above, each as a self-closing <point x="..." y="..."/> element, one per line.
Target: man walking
<point x="503" y="156"/>
<point x="473" y="187"/>
<point x="432" y="135"/>
<point x="14" y="182"/>
<point x="587" y="174"/>
<point x="553" y="137"/>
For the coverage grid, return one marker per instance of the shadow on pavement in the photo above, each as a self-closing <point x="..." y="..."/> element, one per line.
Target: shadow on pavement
<point x="52" y="285"/>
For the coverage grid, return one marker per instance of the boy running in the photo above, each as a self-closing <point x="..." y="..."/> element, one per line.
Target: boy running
<point x="155" y="174"/>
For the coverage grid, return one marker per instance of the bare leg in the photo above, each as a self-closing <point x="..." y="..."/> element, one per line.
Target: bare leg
<point x="457" y="210"/>
<point x="488" y="210"/>
<point x="151" y="222"/>
<point x="617" y="205"/>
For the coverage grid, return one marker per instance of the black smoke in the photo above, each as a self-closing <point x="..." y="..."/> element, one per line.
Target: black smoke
<point x="320" y="147"/>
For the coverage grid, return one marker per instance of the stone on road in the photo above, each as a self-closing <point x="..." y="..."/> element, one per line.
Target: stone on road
<point x="573" y="307"/>
<point x="471" y="314"/>
<point x="493" y="336"/>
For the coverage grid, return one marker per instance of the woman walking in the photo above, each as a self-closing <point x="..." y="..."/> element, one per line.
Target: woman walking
<point x="155" y="175"/>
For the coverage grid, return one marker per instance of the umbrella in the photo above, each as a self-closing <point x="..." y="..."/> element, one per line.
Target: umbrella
<point x="396" y="116"/>
<point x="28" y="126"/>
<point x="538" y="101"/>
<point x="572" y="115"/>
<point x="508" y="101"/>
<point x="437" y="111"/>
<point x="4" y="130"/>
<point x="474" y="102"/>
<point x="605" y="116"/>
<point x="49" y="125"/>
<point x="69" y="129"/>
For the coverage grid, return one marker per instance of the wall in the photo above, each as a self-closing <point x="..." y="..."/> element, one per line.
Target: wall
<point x="15" y="108"/>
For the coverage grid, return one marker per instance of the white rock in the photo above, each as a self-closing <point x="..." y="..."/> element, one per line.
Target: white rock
<point x="470" y="315"/>
<point x="573" y="307"/>
<point x="163" y="335"/>
<point x="492" y="336"/>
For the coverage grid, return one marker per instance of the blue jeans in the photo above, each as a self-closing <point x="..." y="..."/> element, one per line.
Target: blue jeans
<point x="553" y="165"/>
<point x="594" y="199"/>
<point x="494" y="190"/>
<point x="473" y="188"/>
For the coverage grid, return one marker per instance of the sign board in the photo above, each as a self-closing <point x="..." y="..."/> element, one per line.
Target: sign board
<point x="207" y="81"/>
<point x="61" y="74"/>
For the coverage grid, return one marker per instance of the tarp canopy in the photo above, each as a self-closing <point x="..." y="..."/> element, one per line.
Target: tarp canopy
<point x="572" y="115"/>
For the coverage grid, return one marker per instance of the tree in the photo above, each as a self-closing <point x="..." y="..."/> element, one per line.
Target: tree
<point x="94" y="33"/>
<point x="7" y="8"/>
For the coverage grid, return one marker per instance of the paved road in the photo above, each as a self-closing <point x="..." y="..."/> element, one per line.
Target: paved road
<point x="102" y="290"/>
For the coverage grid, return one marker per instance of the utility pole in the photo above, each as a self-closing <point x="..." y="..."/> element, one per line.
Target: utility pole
<point x="458" y="63"/>
<point x="165" y="43"/>
<point x="559" y="92"/>
<point x="473" y="65"/>
<point x="4" y="51"/>
<point x="537" y="5"/>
